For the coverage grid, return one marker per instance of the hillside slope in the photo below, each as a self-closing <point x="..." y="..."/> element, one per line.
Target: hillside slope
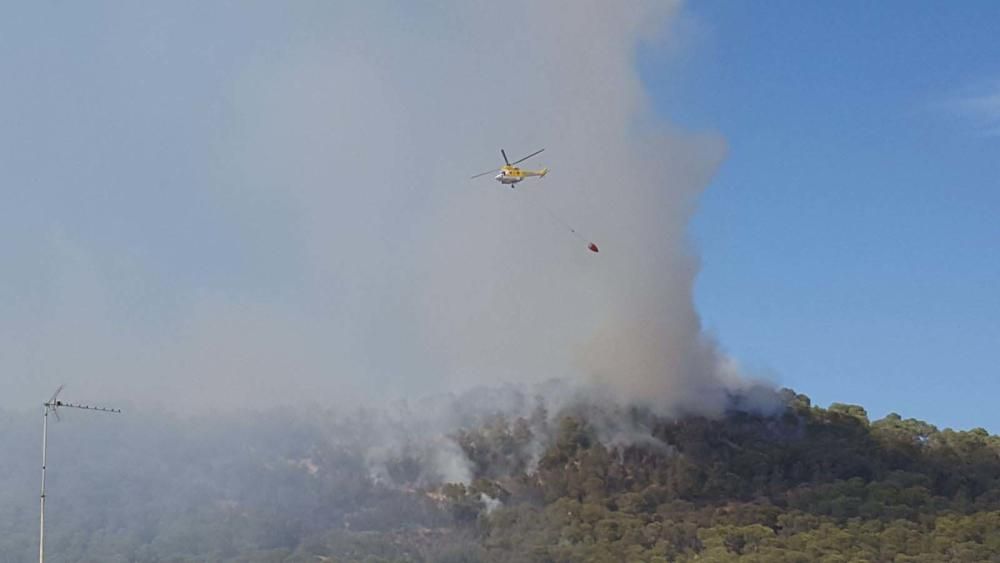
<point x="587" y="483"/>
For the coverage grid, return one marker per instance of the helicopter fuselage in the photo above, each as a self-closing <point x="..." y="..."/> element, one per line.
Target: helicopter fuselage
<point x="510" y="175"/>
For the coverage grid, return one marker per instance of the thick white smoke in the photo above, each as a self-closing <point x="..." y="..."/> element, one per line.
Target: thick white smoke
<point x="302" y="227"/>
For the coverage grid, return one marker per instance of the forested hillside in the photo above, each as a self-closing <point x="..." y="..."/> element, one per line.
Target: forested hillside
<point x="809" y="484"/>
<point x="585" y="483"/>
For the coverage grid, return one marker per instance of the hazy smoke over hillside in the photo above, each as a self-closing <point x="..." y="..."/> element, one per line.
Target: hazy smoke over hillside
<point x="272" y="205"/>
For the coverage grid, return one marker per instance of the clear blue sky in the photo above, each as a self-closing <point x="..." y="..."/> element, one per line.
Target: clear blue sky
<point x="851" y="241"/>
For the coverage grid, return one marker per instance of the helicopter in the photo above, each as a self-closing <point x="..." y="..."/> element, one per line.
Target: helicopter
<point x="510" y="174"/>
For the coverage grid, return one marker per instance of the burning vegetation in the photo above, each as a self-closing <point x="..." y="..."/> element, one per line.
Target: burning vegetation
<point x="582" y="482"/>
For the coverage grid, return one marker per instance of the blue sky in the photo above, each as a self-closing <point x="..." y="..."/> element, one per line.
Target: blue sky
<point x="851" y="241"/>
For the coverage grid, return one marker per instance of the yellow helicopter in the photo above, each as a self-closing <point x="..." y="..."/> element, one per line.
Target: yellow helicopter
<point x="510" y="174"/>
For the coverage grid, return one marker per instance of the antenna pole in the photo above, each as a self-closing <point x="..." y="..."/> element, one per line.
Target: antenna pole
<point x="41" y="526"/>
<point x="51" y="406"/>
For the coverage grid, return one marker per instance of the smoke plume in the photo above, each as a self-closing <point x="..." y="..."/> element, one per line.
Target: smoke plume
<point x="273" y="206"/>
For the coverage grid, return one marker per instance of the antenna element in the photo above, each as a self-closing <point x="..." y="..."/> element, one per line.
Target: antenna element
<point x="53" y="405"/>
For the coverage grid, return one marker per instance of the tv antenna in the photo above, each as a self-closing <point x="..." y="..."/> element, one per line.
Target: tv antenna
<point x="52" y="406"/>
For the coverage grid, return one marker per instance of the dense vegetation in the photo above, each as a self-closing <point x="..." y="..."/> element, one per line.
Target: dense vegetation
<point x="584" y="484"/>
<point x="809" y="484"/>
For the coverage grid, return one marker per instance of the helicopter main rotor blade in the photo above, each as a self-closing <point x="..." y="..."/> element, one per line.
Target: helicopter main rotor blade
<point x="485" y="173"/>
<point x="525" y="158"/>
<point x="505" y="157"/>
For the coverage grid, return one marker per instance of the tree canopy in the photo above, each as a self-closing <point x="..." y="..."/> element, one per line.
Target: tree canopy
<point x="587" y="483"/>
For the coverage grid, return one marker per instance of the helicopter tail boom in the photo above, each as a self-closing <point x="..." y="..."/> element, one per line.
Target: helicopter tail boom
<point x="540" y="173"/>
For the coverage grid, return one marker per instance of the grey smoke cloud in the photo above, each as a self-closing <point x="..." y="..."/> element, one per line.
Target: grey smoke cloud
<point x="272" y="205"/>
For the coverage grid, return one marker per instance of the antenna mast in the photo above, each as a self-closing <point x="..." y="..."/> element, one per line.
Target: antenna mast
<point x="53" y="405"/>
